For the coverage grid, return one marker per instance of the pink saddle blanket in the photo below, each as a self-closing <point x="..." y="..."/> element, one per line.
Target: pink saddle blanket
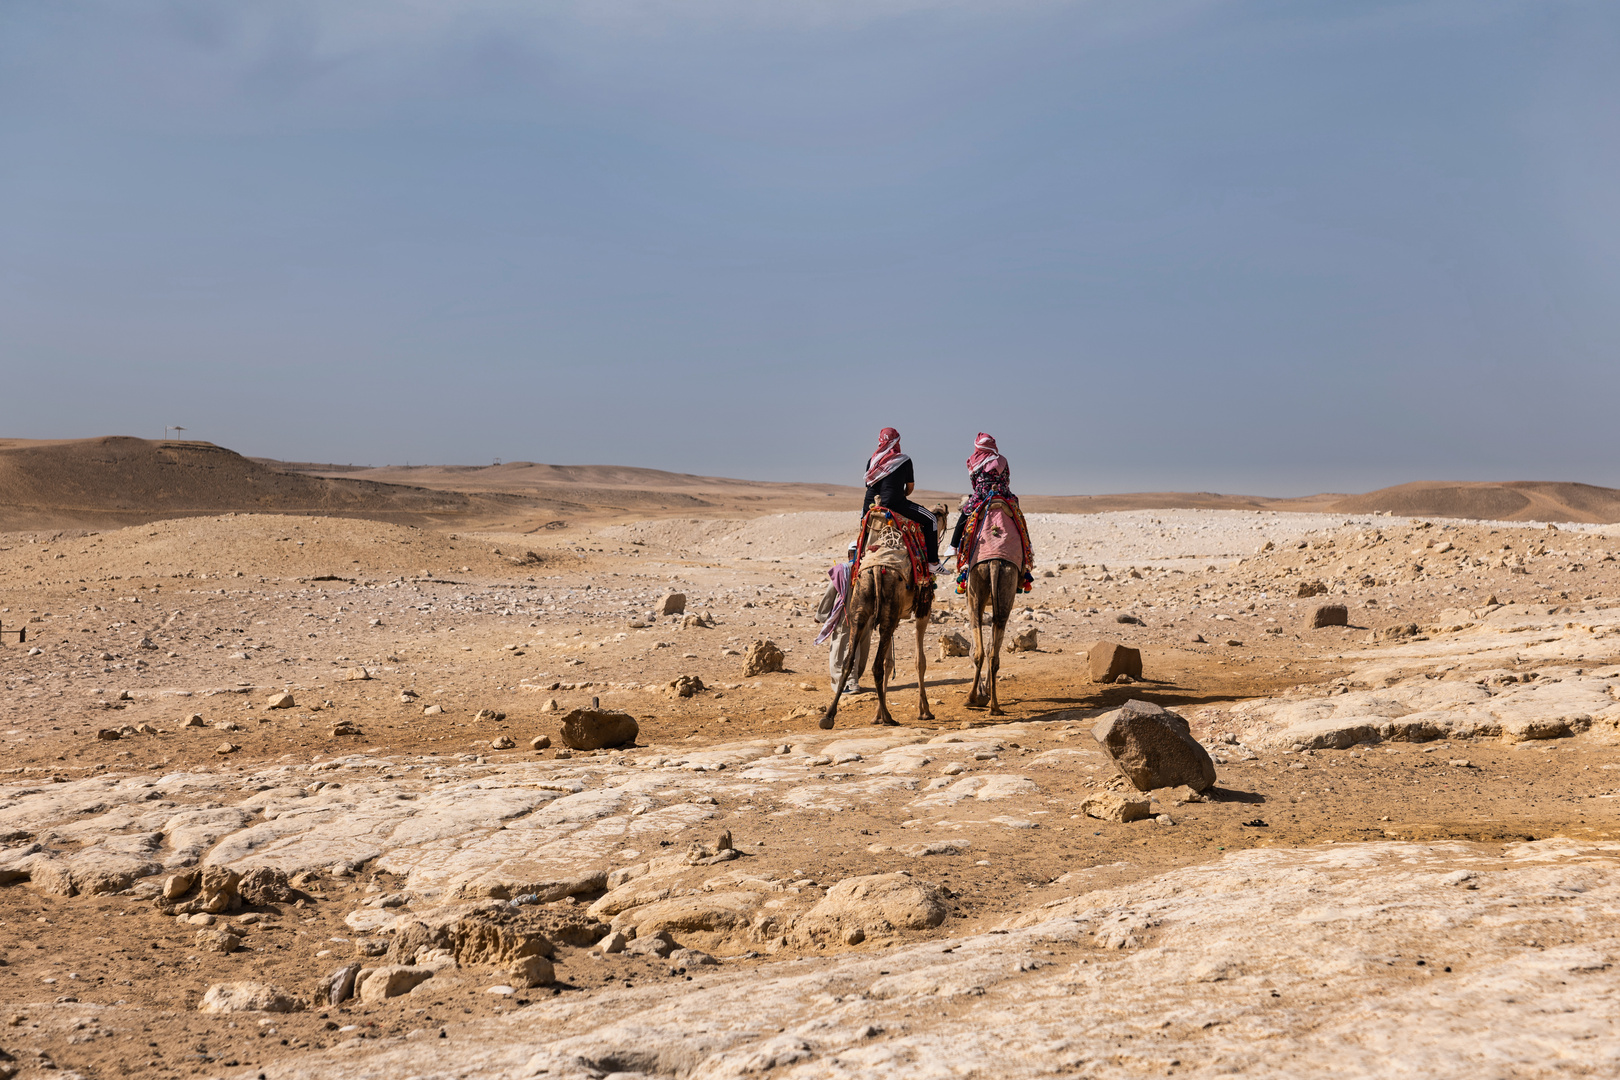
<point x="999" y="539"/>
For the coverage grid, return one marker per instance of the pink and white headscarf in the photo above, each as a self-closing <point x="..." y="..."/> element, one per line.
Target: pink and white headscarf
<point x="985" y="454"/>
<point x="887" y="458"/>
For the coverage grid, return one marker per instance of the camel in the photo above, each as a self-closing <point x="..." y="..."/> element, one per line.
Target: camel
<point x="994" y="576"/>
<point x="995" y="580"/>
<point x="881" y="596"/>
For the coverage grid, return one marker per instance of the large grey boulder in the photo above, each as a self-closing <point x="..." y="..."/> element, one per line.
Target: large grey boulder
<point x="1154" y="748"/>
<point x="593" y="729"/>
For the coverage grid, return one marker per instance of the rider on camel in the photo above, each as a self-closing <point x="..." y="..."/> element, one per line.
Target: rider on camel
<point x="889" y="480"/>
<point x="990" y="476"/>
<point x="992" y="482"/>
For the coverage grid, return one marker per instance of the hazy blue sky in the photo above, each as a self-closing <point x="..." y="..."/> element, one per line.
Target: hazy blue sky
<point x="1273" y="247"/>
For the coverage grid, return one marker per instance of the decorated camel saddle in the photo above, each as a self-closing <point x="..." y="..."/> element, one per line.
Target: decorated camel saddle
<point x="894" y="542"/>
<point x="996" y="530"/>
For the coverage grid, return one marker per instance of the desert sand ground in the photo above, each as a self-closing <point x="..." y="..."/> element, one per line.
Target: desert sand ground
<point x="1409" y="866"/>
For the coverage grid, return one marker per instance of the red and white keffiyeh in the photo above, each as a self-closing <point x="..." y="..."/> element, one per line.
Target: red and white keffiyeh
<point x="888" y="457"/>
<point x="985" y="454"/>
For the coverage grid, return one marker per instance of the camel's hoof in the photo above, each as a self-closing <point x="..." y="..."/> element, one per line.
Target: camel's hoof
<point x="826" y="723"/>
<point x="998" y="712"/>
<point x="885" y="722"/>
<point x="921" y="717"/>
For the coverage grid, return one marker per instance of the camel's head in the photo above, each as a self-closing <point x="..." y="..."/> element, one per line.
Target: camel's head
<point x="943" y="513"/>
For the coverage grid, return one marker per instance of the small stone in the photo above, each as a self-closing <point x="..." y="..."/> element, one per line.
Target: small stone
<point x="1107" y="660"/>
<point x="1154" y="748"/>
<point x="953" y="769"/>
<point x="280" y="701"/>
<point x="503" y="742"/>
<point x="594" y="729"/>
<point x="406" y="697"/>
<point x="672" y="604"/>
<point x="1234" y="642"/>
<point x="433" y="710"/>
<point x="1196" y="639"/>
<point x="357" y="674"/>
<point x="109" y="735"/>
<point x="221" y="941"/>
<point x="875" y="903"/>
<point x="613" y="943"/>
<point x="145" y="729"/>
<point x="954" y="643"/>
<point x="532" y="971"/>
<point x="1311" y="588"/>
<point x="1461" y="763"/>
<point x="1111" y="806"/>
<point x="1330" y="615"/>
<point x="686" y="686"/>
<point x="339" y="986"/>
<point x="488" y="716"/>
<point x="659" y="945"/>
<point x="344" y="727"/>
<point x="195" y="720"/>
<point x="1026" y="640"/>
<point x="697" y="622"/>
<point x="762" y="657"/>
<point x="266" y="885"/>
<point x="551" y="705"/>
<point x="392" y="980"/>
<point x="854" y="935"/>
<point x="177" y="885"/>
<point x="226" y="748"/>
<point x="540" y="742"/>
<point x="235" y="997"/>
<point x="1129" y="620"/>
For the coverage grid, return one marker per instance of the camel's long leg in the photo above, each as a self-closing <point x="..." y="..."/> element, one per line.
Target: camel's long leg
<point x="1000" y="611"/>
<point x="861" y="623"/>
<point x="923" y="711"/>
<point x="978" y="695"/>
<point x="886" y="621"/>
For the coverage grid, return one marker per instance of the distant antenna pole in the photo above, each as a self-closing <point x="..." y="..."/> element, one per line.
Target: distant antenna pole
<point x="176" y="428"/>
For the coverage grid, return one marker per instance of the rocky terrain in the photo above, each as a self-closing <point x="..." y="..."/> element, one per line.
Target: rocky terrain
<point x="290" y="796"/>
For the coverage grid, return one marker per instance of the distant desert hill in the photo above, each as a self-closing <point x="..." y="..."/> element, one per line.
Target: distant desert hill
<point x="113" y="481"/>
<point x="88" y="483"/>
<point x="1518" y="500"/>
<point x="608" y="490"/>
<point x="624" y="490"/>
